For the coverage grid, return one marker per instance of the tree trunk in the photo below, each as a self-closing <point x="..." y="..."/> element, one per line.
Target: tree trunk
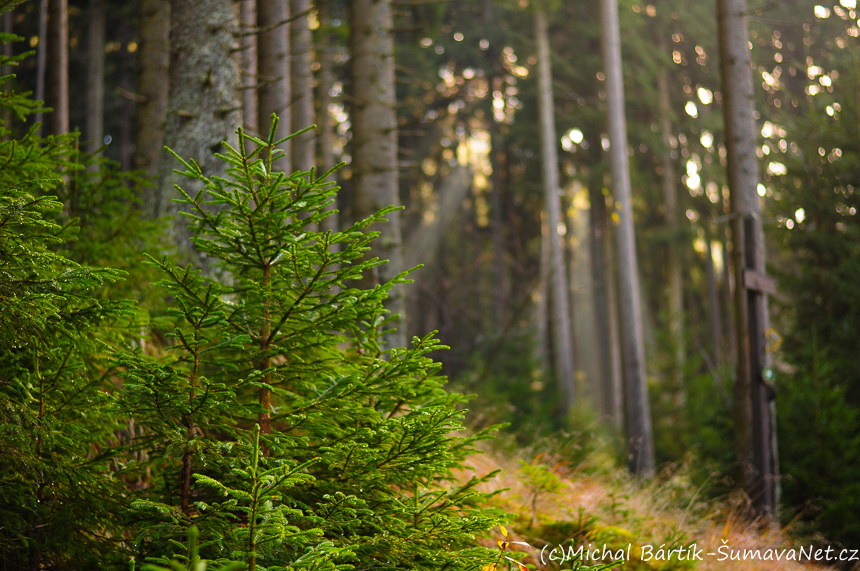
<point x="543" y="335"/>
<point x="614" y="335"/>
<point x="375" y="174"/>
<point x="96" y="76"/>
<point x="713" y="303"/>
<point x="273" y="71"/>
<point x="674" y="291"/>
<point x="58" y="68"/>
<point x="302" y="104"/>
<point x="247" y="25"/>
<point x="326" y="134"/>
<point x="753" y="414"/>
<point x="562" y="339"/>
<point x="496" y="229"/>
<point x="640" y="441"/>
<point x="42" y="58"/>
<point x="153" y="81"/>
<point x="599" y="279"/>
<point x="204" y="106"/>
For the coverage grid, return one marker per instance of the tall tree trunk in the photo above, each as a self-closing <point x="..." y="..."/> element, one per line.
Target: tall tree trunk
<point x="543" y="334"/>
<point x="640" y="440"/>
<point x="326" y="80"/>
<point x="58" y="68"/>
<point x="496" y="228"/>
<point x="713" y="303"/>
<point x="753" y="414"/>
<point x="7" y="52"/>
<point x="204" y="106"/>
<point x="674" y="290"/>
<point x="95" y="76"/>
<point x="561" y="331"/>
<point x="273" y="71"/>
<point x="42" y="58"/>
<point x="617" y="373"/>
<point x="302" y="104"/>
<point x="375" y="174"/>
<point x="127" y="76"/>
<point x="247" y="25"/>
<point x="599" y="279"/>
<point x="153" y="82"/>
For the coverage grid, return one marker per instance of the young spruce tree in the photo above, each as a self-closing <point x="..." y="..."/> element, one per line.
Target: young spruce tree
<point x="358" y="442"/>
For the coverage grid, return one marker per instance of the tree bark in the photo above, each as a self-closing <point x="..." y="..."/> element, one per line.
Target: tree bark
<point x="599" y="279"/>
<point x="42" y="59"/>
<point x="273" y="71"/>
<point x="562" y="338"/>
<point x="326" y="134"/>
<point x="58" y="68"/>
<point x="752" y="409"/>
<point x="95" y="76"/>
<point x="153" y="82"/>
<point x="375" y="173"/>
<point x="247" y="24"/>
<point x="302" y="104"/>
<point x="674" y="290"/>
<point x="203" y="106"/>
<point x="638" y="421"/>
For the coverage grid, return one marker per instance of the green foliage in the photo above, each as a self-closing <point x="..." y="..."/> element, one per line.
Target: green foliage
<point x="358" y="459"/>
<point x="61" y="499"/>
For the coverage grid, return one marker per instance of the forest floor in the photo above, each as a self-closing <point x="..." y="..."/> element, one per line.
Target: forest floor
<point x="557" y="505"/>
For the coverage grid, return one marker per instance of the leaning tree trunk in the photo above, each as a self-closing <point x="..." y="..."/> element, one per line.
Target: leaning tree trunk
<point x="374" y="142"/>
<point x="753" y="412"/>
<point x="203" y="106"/>
<point x="302" y="104"/>
<point x="640" y="441"/>
<point x="247" y="28"/>
<point x="561" y="333"/>
<point x="95" y="125"/>
<point x="273" y="71"/>
<point x="58" y="68"/>
<point x="674" y="290"/>
<point x="153" y="81"/>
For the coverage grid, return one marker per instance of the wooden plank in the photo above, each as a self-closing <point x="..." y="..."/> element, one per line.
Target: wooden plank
<point x="758" y="282"/>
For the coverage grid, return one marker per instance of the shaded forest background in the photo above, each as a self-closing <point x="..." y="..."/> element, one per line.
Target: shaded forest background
<point x="467" y="163"/>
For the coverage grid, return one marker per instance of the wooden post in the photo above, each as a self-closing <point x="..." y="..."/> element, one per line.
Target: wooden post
<point x="757" y="286"/>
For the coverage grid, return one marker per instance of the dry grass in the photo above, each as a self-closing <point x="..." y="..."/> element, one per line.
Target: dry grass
<point x="612" y="508"/>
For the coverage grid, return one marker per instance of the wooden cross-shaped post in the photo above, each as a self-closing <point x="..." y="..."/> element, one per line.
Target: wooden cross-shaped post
<point x="757" y="286"/>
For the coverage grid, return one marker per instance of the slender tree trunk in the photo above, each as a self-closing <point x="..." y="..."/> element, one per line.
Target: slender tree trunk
<point x="153" y="81"/>
<point x="204" y="107"/>
<point x="562" y="338"/>
<point x="42" y="58"/>
<point x="7" y="52"/>
<point x="248" y="24"/>
<point x="728" y="304"/>
<point x="273" y="70"/>
<point x="614" y="335"/>
<point x="674" y="291"/>
<point x="753" y="413"/>
<point x="326" y="81"/>
<point x="95" y="125"/>
<point x="543" y="333"/>
<point x="496" y="231"/>
<point x="640" y="440"/>
<point x="599" y="279"/>
<point x="127" y="77"/>
<point x="58" y="70"/>
<point x="302" y="104"/>
<point x="713" y="303"/>
<point x="375" y="174"/>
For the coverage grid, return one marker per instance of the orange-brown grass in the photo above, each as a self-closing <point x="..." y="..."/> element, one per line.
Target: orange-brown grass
<point x="613" y="508"/>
